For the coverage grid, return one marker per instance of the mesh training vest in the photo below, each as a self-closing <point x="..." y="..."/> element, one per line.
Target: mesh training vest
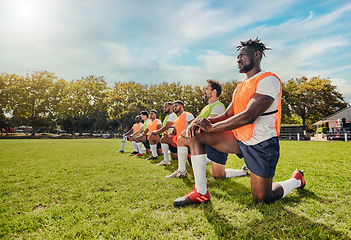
<point x="206" y="111"/>
<point x="243" y="95"/>
<point x="180" y="124"/>
<point x="136" y="127"/>
<point x="152" y="126"/>
<point x="165" y="122"/>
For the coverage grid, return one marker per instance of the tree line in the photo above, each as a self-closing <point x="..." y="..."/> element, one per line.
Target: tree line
<point x="49" y="104"/>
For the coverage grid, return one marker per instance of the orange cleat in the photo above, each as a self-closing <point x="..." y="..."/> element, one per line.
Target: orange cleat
<point x="192" y="197"/>
<point x="299" y="176"/>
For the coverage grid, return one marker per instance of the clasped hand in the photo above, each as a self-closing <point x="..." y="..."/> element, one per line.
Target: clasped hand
<point x="199" y="125"/>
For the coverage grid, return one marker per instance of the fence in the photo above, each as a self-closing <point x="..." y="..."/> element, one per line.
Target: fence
<point x="291" y="136"/>
<point x="342" y="135"/>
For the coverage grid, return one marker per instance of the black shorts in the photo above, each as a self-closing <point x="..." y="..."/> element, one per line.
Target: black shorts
<point x="172" y="149"/>
<point x="262" y="158"/>
<point x="146" y="144"/>
<point x="216" y="156"/>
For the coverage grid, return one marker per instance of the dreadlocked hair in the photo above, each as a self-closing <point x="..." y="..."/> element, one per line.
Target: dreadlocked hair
<point x="255" y="44"/>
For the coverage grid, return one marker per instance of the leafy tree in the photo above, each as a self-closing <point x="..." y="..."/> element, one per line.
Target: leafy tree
<point x="227" y="92"/>
<point x="123" y="94"/>
<point x="313" y="99"/>
<point x="84" y="96"/>
<point x="287" y="115"/>
<point x="29" y="98"/>
<point x="161" y="93"/>
<point x="3" y="102"/>
<point x="193" y="99"/>
<point x="126" y="118"/>
<point x="3" y="88"/>
<point x="99" y="119"/>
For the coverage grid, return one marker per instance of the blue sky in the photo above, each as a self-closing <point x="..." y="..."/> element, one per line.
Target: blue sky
<point x="173" y="40"/>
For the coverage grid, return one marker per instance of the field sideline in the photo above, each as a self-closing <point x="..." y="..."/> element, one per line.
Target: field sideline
<point x="83" y="189"/>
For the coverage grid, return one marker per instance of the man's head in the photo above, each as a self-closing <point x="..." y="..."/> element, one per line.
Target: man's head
<point x="138" y="119"/>
<point x="153" y="114"/>
<point x="178" y="107"/>
<point x="213" y="89"/>
<point x="250" y="54"/>
<point x="167" y="108"/>
<point x="144" y="115"/>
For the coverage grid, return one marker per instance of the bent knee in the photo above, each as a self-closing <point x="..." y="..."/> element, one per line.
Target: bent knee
<point x="174" y="156"/>
<point x="181" y="141"/>
<point x="218" y="176"/>
<point x="262" y="198"/>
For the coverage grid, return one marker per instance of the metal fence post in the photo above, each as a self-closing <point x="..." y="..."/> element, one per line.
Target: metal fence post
<point x="298" y="136"/>
<point x="346" y="137"/>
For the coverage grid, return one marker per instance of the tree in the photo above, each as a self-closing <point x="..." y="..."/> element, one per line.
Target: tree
<point x="126" y="118"/>
<point x="227" y="92"/>
<point x="3" y="102"/>
<point x="29" y="98"/>
<point x="313" y="99"/>
<point x="123" y="94"/>
<point x="83" y="97"/>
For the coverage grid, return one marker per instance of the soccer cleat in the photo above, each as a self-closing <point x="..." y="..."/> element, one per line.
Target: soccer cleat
<point x="139" y="155"/>
<point x="245" y="169"/>
<point x="163" y="163"/>
<point x="192" y="197"/>
<point x="135" y="152"/>
<point x="177" y="174"/>
<point x="152" y="158"/>
<point x="299" y="176"/>
<point x="120" y="151"/>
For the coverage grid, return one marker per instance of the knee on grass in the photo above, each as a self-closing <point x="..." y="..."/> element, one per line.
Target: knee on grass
<point x="262" y="198"/>
<point x="218" y="175"/>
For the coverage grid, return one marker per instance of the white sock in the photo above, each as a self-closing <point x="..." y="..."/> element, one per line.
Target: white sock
<point x="153" y="150"/>
<point x="123" y="143"/>
<point x="134" y="144"/>
<point x="229" y="173"/>
<point x="289" y="185"/>
<point x="140" y="147"/>
<point x="165" y="149"/>
<point x="182" y="154"/>
<point x="199" y="167"/>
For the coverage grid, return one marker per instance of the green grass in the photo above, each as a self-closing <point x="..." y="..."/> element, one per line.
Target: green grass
<point x="83" y="189"/>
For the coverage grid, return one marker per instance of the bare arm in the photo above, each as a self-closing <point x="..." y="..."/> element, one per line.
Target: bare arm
<point x="145" y="132"/>
<point x="257" y="105"/>
<point x="213" y="118"/>
<point x="129" y="132"/>
<point x="137" y="132"/>
<point x="164" y="128"/>
<point x="227" y="114"/>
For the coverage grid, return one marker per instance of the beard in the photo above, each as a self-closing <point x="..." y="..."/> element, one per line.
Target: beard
<point x="247" y="68"/>
<point x="206" y="97"/>
<point x="167" y="111"/>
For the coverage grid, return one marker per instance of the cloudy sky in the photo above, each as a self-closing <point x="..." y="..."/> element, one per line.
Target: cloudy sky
<point x="189" y="41"/>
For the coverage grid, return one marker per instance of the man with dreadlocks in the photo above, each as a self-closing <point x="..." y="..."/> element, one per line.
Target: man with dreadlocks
<point x="249" y="128"/>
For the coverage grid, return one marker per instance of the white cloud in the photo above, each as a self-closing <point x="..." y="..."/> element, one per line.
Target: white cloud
<point x="188" y="41"/>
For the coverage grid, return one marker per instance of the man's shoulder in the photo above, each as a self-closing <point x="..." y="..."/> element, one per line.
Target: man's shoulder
<point x="268" y="75"/>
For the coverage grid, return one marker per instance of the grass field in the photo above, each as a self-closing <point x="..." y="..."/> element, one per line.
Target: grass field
<point x="83" y="189"/>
